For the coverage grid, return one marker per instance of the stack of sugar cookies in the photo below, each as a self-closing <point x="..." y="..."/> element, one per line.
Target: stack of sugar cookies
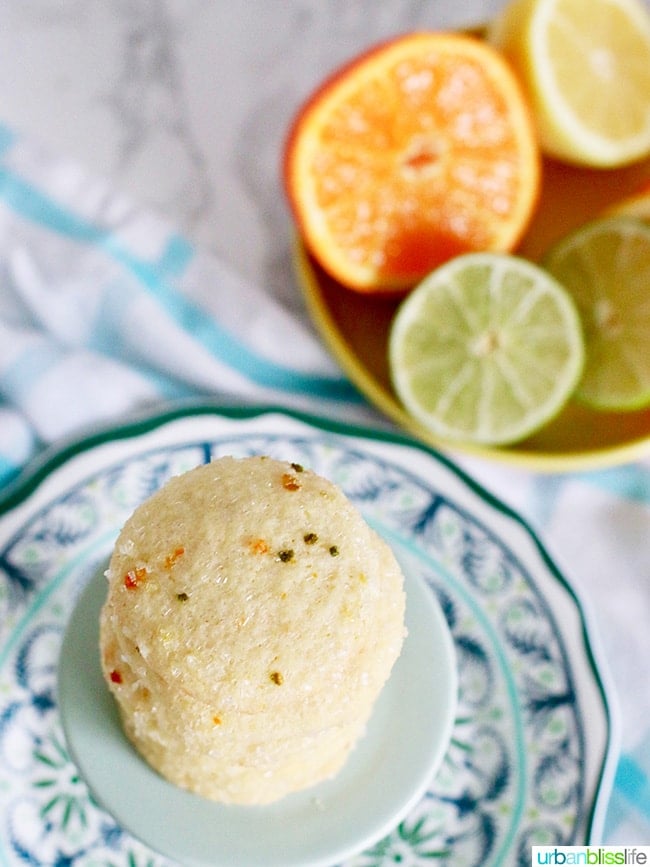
<point x="251" y="621"/>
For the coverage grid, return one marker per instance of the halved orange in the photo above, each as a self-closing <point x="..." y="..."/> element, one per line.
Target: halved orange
<point x="419" y="150"/>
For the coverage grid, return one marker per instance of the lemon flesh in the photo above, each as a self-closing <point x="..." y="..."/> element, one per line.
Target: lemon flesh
<point x="487" y="349"/>
<point x="585" y="65"/>
<point x="606" y="268"/>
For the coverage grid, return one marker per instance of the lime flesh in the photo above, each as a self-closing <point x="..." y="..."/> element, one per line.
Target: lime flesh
<point x="486" y="349"/>
<point x="605" y="265"/>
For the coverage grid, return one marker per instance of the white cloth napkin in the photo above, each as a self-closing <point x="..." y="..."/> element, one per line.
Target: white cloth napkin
<point x="104" y="309"/>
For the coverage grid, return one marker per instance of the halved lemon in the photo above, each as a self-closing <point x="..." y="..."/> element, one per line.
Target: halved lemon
<point x="585" y="65"/>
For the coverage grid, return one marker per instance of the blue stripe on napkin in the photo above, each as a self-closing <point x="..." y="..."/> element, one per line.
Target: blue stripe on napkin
<point x="7" y="138"/>
<point x="176" y="256"/>
<point x="28" y="368"/>
<point x="630" y="482"/>
<point x="8" y="470"/>
<point x="30" y="203"/>
<point x="633" y="783"/>
<point x="628" y="810"/>
<point x="228" y="349"/>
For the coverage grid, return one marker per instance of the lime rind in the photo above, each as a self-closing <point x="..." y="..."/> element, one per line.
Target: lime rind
<point x="605" y="265"/>
<point x="487" y="349"/>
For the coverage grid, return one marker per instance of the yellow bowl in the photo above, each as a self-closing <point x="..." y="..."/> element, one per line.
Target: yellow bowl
<point x="356" y="327"/>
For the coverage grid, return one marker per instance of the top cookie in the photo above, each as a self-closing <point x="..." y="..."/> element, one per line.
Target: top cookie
<point x="254" y="585"/>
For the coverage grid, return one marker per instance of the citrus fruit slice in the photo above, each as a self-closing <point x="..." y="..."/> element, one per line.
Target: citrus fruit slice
<point x="486" y="349"/>
<point x="585" y="65"/>
<point x="605" y="265"/>
<point x="636" y="205"/>
<point x="419" y="150"/>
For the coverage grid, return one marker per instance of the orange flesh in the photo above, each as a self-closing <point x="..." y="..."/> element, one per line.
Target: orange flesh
<point x="420" y="151"/>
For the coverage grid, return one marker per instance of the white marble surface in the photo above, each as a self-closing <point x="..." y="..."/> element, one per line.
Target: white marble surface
<point x="183" y="104"/>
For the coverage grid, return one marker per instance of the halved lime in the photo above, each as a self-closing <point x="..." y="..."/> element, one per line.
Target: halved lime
<point x="487" y="349"/>
<point x="605" y="265"/>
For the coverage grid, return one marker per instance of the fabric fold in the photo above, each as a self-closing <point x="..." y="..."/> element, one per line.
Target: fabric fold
<point x="107" y="309"/>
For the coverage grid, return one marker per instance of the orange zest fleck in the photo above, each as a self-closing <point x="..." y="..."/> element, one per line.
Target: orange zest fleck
<point x="290" y="483"/>
<point x="173" y="557"/>
<point x="258" y="546"/>
<point x="135" y="577"/>
<point x="216" y="720"/>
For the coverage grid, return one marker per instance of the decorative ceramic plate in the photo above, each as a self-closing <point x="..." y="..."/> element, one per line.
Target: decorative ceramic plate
<point x="388" y="772"/>
<point x="356" y="326"/>
<point x="530" y="757"/>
